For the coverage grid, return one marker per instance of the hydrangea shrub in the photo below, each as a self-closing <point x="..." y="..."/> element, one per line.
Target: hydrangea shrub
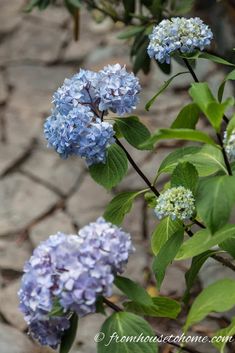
<point x="70" y="276"/>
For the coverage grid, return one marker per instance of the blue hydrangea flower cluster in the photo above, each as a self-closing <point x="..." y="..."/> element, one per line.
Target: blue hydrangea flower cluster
<point x="71" y="271"/>
<point x="76" y="125"/>
<point x="183" y="34"/>
<point x="229" y="143"/>
<point x="118" y="90"/>
<point x="177" y="203"/>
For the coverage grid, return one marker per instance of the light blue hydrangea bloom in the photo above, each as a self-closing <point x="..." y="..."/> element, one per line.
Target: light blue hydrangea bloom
<point x="79" y="133"/>
<point x="71" y="271"/>
<point x="177" y="202"/>
<point x="118" y="90"/>
<point x="183" y="34"/>
<point x="229" y="143"/>
<point x="76" y="125"/>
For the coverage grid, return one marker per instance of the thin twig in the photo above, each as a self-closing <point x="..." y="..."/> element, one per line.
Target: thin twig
<point x="226" y="161"/>
<point x="134" y="165"/>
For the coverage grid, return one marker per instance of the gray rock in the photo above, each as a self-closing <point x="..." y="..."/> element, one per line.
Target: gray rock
<point x="58" y="221"/>
<point x="37" y="42"/>
<point x="9" y="306"/>
<point x="89" y="326"/>
<point x="10" y="15"/>
<point x="14" y="341"/>
<point x="12" y="256"/>
<point x="33" y="88"/>
<point x="3" y="89"/>
<point x="88" y="202"/>
<point x="46" y="165"/>
<point x="23" y="201"/>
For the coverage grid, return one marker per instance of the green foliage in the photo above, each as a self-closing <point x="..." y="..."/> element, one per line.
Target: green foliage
<point x="162" y="89"/>
<point x="69" y="335"/>
<point x="166" y="255"/>
<point x="133" y="130"/>
<point x="229" y="246"/>
<point x="215" y="200"/>
<point x="120" y="206"/>
<point x="230" y="76"/>
<point x="203" y="241"/>
<point x="133" y="290"/>
<point x="185" y="174"/>
<point x="163" y="231"/>
<point x="191" y="275"/>
<point x="218" y="297"/>
<point x="207" y="160"/>
<point x="126" y="324"/>
<point x="226" y="333"/>
<point x="187" y="117"/>
<point x="115" y="168"/>
<point x="160" y="307"/>
<point x="178" y="134"/>
<point x="213" y="110"/>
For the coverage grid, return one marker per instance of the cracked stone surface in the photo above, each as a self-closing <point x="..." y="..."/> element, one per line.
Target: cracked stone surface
<point x="58" y="221"/>
<point x="23" y="200"/>
<point x="40" y="193"/>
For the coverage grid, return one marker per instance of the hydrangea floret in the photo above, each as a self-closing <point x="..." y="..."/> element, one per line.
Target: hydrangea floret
<point x="76" y="125"/>
<point x="178" y="33"/>
<point x="71" y="271"/>
<point x="229" y="144"/>
<point x="177" y="203"/>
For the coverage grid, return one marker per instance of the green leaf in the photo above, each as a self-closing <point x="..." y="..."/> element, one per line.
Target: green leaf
<point x="166" y="255"/>
<point x="133" y="290"/>
<point x="171" y="161"/>
<point x="187" y="117"/>
<point x="161" y="307"/>
<point x="178" y="134"/>
<point x="126" y="324"/>
<point x="130" y="32"/>
<point x="207" y="160"/>
<point x="230" y="76"/>
<point x="164" y="230"/>
<point x="229" y="246"/>
<point x="185" y="174"/>
<point x="203" y="97"/>
<point x="142" y="60"/>
<point x="196" y="265"/>
<point x="133" y="130"/>
<point x="162" y="89"/>
<point x="203" y="241"/>
<point x="218" y="297"/>
<point x="227" y="334"/>
<point x="69" y="335"/>
<point x="216" y="59"/>
<point x="115" y="168"/>
<point x="215" y="200"/>
<point x="120" y="206"/>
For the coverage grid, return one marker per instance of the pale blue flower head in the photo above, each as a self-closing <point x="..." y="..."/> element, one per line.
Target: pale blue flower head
<point x="118" y="90"/>
<point x="71" y="272"/>
<point x="79" y="133"/>
<point x="79" y="89"/>
<point x="183" y="34"/>
<point x="177" y="203"/>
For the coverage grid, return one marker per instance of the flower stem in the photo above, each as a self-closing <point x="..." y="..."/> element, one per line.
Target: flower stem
<point x="189" y="67"/>
<point x="134" y="165"/>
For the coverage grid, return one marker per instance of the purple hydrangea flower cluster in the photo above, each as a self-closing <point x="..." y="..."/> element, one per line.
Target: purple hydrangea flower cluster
<point x="72" y="272"/>
<point x="183" y="34"/>
<point x="76" y="125"/>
